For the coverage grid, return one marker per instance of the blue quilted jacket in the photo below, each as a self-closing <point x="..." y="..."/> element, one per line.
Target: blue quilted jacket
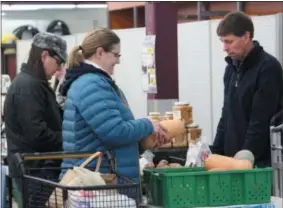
<point x="97" y="118"/>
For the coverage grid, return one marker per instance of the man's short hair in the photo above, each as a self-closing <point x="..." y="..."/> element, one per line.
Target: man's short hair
<point x="236" y="23"/>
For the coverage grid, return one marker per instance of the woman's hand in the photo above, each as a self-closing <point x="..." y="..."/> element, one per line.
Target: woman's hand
<point x="160" y="133"/>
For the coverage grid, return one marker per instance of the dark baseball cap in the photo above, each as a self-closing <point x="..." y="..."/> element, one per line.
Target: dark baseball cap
<point x="52" y="42"/>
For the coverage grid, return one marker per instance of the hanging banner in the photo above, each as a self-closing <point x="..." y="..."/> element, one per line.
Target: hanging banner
<point x="148" y="65"/>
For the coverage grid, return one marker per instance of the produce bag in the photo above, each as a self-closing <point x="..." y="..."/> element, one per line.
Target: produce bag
<point x="146" y="160"/>
<point x="98" y="199"/>
<point x="197" y="153"/>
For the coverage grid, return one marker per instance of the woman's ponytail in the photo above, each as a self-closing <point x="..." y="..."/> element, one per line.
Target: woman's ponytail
<point x="75" y="57"/>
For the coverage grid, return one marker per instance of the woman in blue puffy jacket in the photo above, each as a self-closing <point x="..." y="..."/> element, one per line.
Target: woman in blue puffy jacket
<point x="96" y="114"/>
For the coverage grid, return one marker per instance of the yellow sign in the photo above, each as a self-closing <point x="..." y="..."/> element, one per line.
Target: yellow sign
<point x="150" y="51"/>
<point x="151" y="70"/>
<point x="152" y="81"/>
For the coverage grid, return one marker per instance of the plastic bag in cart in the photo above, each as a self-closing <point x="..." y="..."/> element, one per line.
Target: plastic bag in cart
<point x="99" y="199"/>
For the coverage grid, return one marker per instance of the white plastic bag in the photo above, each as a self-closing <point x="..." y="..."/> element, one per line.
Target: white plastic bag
<point x="203" y="154"/>
<point x="197" y="154"/>
<point x="146" y="158"/>
<point x="98" y="199"/>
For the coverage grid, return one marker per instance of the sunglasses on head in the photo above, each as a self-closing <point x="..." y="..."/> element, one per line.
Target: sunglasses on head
<point x="54" y="55"/>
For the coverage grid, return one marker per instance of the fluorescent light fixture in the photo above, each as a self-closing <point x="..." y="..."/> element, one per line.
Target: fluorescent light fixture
<point x="92" y="6"/>
<point x="31" y="7"/>
<point x="15" y="7"/>
<point x="57" y="6"/>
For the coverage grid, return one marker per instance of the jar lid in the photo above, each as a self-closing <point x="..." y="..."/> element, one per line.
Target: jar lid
<point x="193" y="125"/>
<point x="182" y="103"/>
<point x="168" y="113"/>
<point x="154" y="114"/>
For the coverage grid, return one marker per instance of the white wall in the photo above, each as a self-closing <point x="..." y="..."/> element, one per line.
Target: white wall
<point x="194" y="71"/>
<point x="78" y="20"/>
<point x="217" y="67"/>
<point x="128" y="72"/>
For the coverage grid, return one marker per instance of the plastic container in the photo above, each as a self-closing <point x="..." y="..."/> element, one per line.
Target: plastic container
<point x="196" y="187"/>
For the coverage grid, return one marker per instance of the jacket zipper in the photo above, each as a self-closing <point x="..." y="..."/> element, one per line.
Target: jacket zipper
<point x="238" y="71"/>
<point x="237" y="79"/>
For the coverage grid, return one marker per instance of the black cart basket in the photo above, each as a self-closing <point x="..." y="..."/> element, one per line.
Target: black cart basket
<point x="41" y="187"/>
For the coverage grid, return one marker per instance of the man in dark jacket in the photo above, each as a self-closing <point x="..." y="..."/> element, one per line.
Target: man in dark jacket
<point x="32" y="116"/>
<point x="253" y="87"/>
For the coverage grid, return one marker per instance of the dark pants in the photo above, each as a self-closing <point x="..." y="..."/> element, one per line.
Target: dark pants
<point x="35" y="193"/>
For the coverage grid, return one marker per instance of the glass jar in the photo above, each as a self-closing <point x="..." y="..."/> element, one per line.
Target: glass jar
<point x="183" y="111"/>
<point x="194" y="132"/>
<point x="155" y="116"/>
<point x="168" y="116"/>
<point x="180" y="141"/>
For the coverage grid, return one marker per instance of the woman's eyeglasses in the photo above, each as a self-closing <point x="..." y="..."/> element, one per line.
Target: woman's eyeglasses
<point x="117" y="55"/>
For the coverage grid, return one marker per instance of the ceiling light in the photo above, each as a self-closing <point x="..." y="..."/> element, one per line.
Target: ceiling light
<point x="91" y="6"/>
<point x="20" y="7"/>
<point x="15" y="7"/>
<point x="58" y="6"/>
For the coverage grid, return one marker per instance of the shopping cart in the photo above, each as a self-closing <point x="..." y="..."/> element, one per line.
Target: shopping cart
<point x="276" y="132"/>
<point x="41" y="187"/>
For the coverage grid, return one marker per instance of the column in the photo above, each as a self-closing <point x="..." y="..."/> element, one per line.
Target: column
<point x="161" y="20"/>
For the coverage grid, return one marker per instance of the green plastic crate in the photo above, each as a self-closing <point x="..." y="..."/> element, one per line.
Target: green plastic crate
<point x="153" y="182"/>
<point x="196" y="187"/>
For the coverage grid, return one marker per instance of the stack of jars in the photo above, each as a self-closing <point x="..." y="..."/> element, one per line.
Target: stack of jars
<point x="181" y="111"/>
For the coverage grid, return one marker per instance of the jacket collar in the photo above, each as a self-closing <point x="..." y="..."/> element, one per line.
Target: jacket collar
<point x="93" y="64"/>
<point x="73" y="74"/>
<point x="34" y="72"/>
<point x="250" y="59"/>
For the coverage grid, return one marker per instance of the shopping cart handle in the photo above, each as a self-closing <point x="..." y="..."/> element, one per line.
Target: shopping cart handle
<point x="274" y="129"/>
<point x="20" y="162"/>
<point x="277" y="119"/>
<point x="274" y="147"/>
<point x="54" y="155"/>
